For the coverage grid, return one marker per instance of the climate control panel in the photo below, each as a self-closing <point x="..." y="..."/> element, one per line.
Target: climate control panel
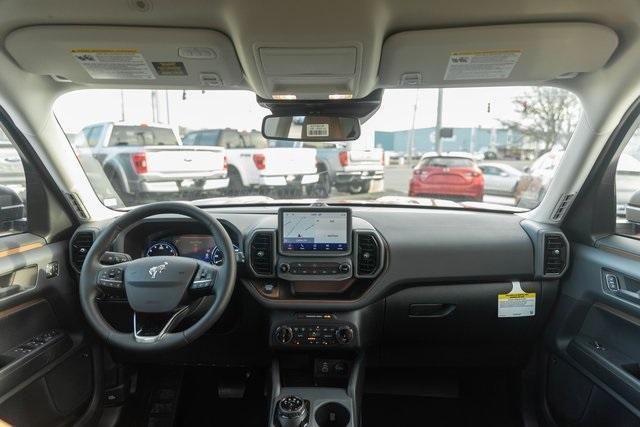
<point x="314" y="335"/>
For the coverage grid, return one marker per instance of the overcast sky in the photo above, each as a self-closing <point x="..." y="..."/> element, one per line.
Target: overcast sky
<point x="467" y="107"/>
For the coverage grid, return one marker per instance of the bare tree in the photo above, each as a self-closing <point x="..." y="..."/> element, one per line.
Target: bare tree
<point x="547" y="114"/>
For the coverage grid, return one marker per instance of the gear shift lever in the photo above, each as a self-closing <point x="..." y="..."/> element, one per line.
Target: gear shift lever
<point x="291" y="412"/>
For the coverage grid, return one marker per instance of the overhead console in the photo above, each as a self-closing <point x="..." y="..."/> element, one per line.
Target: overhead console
<point x="315" y="252"/>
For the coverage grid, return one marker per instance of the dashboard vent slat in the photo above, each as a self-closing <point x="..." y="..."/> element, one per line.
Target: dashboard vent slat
<point x="555" y="254"/>
<point x="369" y="254"/>
<point x="262" y="253"/>
<point x="80" y="244"/>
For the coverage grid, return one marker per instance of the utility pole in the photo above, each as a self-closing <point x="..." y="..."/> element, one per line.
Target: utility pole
<point x="412" y="133"/>
<point x="439" y="123"/>
<point x="166" y="101"/>
<point x="154" y="106"/>
<point x="121" y="105"/>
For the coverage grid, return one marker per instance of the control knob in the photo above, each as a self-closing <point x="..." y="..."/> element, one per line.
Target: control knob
<point x="284" y="268"/>
<point x="283" y="334"/>
<point x="344" y="334"/>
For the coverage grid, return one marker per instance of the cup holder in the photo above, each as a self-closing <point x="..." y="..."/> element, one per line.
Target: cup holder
<point x="332" y="415"/>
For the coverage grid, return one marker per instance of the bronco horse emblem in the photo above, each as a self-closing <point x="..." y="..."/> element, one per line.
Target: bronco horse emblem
<point x="153" y="271"/>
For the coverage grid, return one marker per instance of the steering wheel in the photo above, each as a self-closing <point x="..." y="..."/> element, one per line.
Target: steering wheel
<point x="163" y="290"/>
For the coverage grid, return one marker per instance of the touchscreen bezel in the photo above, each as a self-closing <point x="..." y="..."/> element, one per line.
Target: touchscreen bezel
<point x="281" y="247"/>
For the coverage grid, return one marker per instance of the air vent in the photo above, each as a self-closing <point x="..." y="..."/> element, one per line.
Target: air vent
<point x="369" y="254"/>
<point x="555" y="254"/>
<point x="562" y="207"/>
<point x="262" y="253"/>
<point x="77" y="206"/>
<point x="80" y="244"/>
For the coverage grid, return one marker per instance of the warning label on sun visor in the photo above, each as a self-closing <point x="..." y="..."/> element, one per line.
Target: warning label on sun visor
<point x="113" y="64"/>
<point x="517" y="303"/>
<point x="482" y="65"/>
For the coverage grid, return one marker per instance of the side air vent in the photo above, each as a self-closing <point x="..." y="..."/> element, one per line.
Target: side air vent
<point x="77" y="206"/>
<point x="555" y="254"/>
<point x="80" y="244"/>
<point x="369" y="254"/>
<point x="262" y="252"/>
<point x="562" y="207"/>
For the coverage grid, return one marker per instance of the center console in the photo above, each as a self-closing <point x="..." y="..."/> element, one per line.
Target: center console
<point x="316" y="252"/>
<point x="295" y="404"/>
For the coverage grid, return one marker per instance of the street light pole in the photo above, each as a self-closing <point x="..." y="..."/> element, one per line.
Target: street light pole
<point x="438" y="138"/>
<point x="412" y="132"/>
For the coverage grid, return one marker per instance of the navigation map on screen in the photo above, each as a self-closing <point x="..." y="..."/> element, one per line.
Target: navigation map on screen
<point x="314" y="231"/>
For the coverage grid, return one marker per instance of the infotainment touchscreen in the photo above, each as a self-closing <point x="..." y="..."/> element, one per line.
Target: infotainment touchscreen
<point x="315" y="231"/>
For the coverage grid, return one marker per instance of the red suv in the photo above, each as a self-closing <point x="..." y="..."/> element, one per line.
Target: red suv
<point x="447" y="176"/>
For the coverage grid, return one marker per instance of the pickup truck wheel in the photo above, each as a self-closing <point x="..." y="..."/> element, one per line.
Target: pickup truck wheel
<point x="235" y="187"/>
<point x="358" y="187"/>
<point x="322" y="189"/>
<point x="118" y="187"/>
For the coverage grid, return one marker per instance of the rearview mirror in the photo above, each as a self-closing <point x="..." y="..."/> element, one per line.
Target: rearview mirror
<point x="311" y="128"/>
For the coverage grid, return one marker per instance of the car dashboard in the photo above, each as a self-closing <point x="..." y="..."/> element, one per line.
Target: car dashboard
<point x="411" y="280"/>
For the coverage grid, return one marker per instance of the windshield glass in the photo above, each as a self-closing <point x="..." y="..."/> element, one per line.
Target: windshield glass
<point x="495" y="148"/>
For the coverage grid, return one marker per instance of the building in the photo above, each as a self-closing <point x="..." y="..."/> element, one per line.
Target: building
<point x="504" y="142"/>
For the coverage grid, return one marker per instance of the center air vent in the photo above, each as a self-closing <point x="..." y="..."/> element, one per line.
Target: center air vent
<point x="80" y="244"/>
<point x="262" y="254"/>
<point x="369" y="253"/>
<point x="555" y="254"/>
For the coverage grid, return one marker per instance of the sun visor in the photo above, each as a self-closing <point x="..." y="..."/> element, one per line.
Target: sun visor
<point x="128" y="56"/>
<point x="502" y="54"/>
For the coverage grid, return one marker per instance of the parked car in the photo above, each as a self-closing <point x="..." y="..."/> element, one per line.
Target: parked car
<point x="254" y="164"/>
<point x="534" y="182"/>
<point x="500" y="179"/>
<point x="11" y="170"/>
<point x="148" y="160"/>
<point x="340" y="165"/>
<point x="627" y="181"/>
<point x="447" y="176"/>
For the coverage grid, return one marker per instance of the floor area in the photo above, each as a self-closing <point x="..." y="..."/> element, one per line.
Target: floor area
<point x="203" y="396"/>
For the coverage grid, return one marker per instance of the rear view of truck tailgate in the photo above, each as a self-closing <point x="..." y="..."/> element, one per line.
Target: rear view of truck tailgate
<point x="180" y="159"/>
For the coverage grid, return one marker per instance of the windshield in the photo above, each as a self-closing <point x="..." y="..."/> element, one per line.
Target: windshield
<point x="495" y="148"/>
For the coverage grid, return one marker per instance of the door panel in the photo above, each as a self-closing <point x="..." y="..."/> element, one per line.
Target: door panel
<point x="46" y="372"/>
<point x="593" y="364"/>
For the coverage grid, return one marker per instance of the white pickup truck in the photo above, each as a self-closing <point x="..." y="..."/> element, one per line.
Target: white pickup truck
<point x="146" y="160"/>
<point x="254" y="164"/>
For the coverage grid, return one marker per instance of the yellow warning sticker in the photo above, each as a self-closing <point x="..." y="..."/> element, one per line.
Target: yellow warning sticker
<point x="517" y="303"/>
<point x="113" y="64"/>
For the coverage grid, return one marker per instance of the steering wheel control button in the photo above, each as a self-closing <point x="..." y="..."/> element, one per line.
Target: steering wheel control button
<point x="111" y="278"/>
<point x="204" y="280"/>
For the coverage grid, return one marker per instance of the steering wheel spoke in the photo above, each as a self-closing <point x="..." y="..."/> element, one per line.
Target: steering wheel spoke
<point x="152" y="327"/>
